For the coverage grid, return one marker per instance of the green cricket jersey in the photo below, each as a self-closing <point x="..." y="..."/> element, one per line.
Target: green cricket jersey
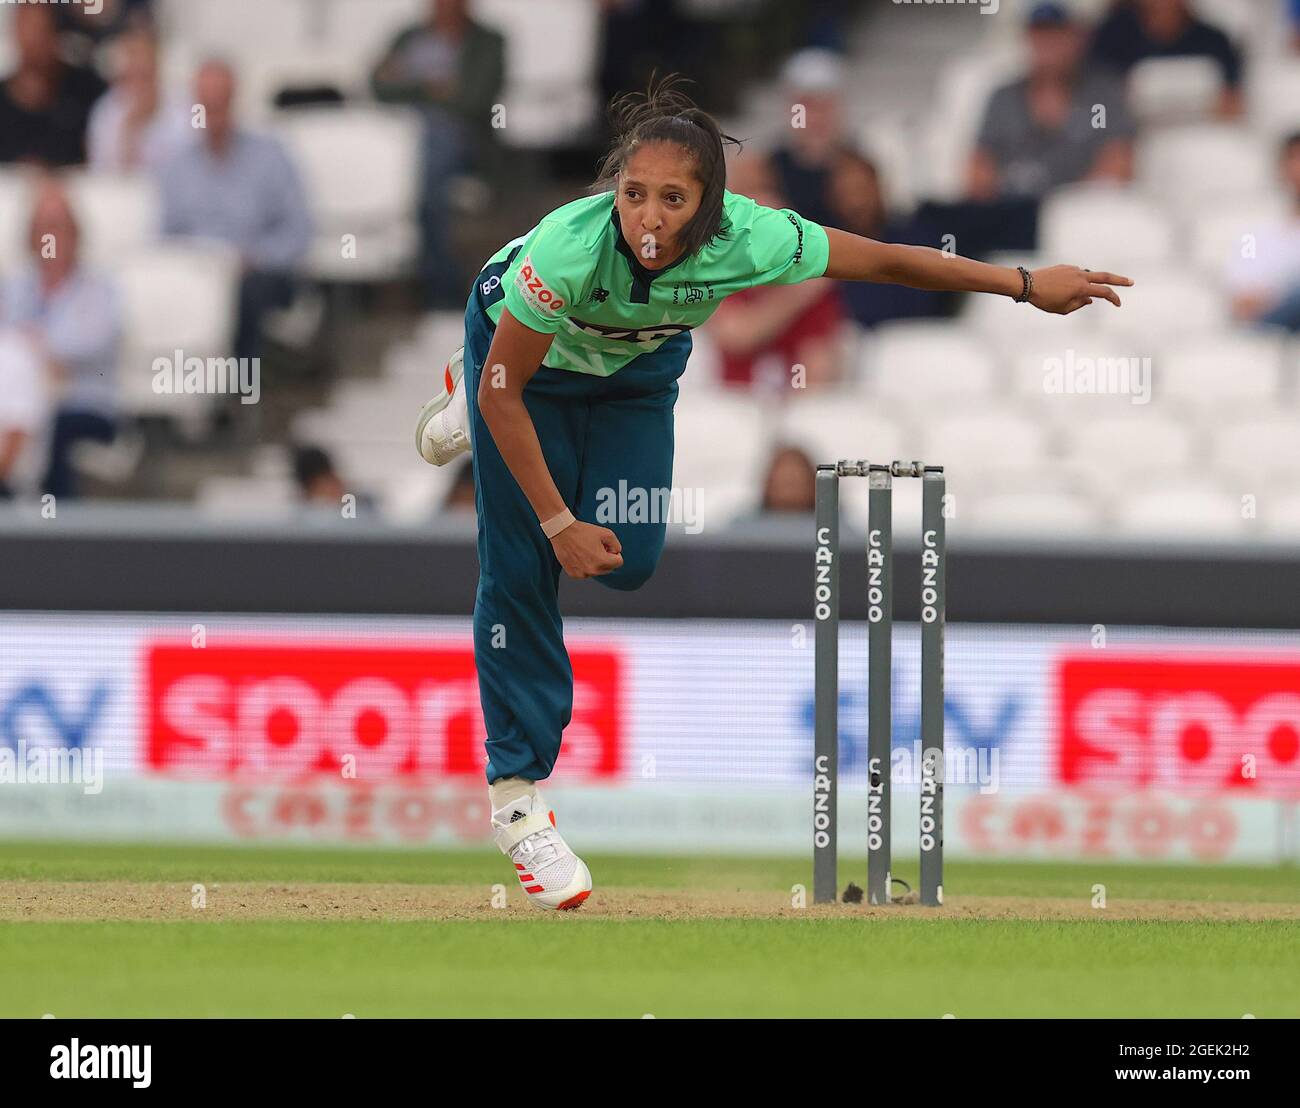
<point x="574" y="276"/>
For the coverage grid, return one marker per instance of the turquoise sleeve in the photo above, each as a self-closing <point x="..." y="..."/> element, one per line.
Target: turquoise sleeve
<point x="786" y="247"/>
<point x="548" y="273"/>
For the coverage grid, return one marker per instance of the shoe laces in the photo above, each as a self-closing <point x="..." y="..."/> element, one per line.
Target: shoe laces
<point x="539" y="849"/>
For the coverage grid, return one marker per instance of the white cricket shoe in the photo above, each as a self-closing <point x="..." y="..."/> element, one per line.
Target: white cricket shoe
<point x="550" y="873"/>
<point x="442" y="432"/>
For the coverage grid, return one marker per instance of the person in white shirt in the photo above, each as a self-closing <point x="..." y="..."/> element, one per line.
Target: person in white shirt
<point x="1264" y="281"/>
<point x="134" y="126"/>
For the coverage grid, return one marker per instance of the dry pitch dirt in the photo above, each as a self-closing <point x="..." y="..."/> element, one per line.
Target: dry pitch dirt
<point x="132" y="900"/>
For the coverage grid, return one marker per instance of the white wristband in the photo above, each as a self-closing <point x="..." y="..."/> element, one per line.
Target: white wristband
<point x="556" y="524"/>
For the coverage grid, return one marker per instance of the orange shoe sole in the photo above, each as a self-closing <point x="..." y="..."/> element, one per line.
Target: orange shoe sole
<point x="574" y="901"/>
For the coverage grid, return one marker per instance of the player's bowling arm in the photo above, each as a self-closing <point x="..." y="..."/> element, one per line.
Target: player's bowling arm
<point x="1059" y="289"/>
<point x="515" y="355"/>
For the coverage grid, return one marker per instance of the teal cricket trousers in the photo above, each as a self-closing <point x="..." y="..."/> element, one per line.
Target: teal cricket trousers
<point x="594" y="433"/>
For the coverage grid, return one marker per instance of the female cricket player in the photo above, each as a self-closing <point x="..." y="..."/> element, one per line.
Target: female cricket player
<point x="575" y="336"/>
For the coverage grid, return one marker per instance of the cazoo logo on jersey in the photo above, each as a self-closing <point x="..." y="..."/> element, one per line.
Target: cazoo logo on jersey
<point x="534" y="288"/>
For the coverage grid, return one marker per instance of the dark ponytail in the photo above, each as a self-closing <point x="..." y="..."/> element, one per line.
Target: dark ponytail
<point x="665" y="114"/>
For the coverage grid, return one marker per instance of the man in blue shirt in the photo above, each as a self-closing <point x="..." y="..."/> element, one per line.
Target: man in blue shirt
<point x="241" y="188"/>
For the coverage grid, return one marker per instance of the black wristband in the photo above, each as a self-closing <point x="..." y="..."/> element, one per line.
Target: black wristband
<point x="1028" y="279"/>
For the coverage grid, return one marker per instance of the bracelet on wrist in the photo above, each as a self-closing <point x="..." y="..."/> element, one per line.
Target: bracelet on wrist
<point x="1028" y="279"/>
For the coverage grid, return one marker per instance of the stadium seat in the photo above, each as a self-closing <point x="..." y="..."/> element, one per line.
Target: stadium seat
<point x="361" y="169"/>
<point x="722" y="443"/>
<point x="1163" y="302"/>
<point x="15" y="212"/>
<point x="1260" y="448"/>
<point x="179" y="296"/>
<point x="1174" y="90"/>
<point x="984" y="442"/>
<point x="247" y="498"/>
<point x="1218" y="237"/>
<point x="1185" y="512"/>
<point x="1217" y="373"/>
<point x="1273" y="87"/>
<point x="552" y="51"/>
<point x="237" y="29"/>
<point x="923" y="363"/>
<point x="1197" y="164"/>
<point x="118" y="213"/>
<point x="964" y="86"/>
<point x="1105" y="452"/>
<point x="1104" y="227"/>
<point x="1028" y="515"/>
<point x="831" y="426"/>
<point x="1278" y="512"/>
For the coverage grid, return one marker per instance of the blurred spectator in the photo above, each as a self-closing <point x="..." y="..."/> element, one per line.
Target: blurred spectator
<point x="791" y="482"/>
<point x="240" y="188"/>
<point x="23" y="405"/>
<point x="1293" y="12"/>
<point x="812" y="80"/>
<point x="131" y="128"/>
<point x="1039" y="131"/>
<point x="319" y="484"/>
<point x="1135" y="30"/>
<point x="858" y="205"/>
<point x="73" y="320"/>
<point x="452" y="69"/>
<point x="783" y="325"/>
<point x="86" y="26"/>
<point x="45" y="102"/>
<point x="460" y="497"/>
<point x="314" y="472"/>
<point x="1265" y="288"/>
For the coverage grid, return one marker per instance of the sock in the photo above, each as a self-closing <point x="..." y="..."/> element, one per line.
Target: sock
<point x="508" y="789"/>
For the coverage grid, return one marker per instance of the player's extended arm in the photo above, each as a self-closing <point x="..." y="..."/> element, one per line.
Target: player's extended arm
<point x="583" y="549"/>
<point x="1060" y="289"/>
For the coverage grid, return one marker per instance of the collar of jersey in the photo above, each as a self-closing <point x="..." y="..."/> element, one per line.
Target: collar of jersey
<point x="641" y="277"/>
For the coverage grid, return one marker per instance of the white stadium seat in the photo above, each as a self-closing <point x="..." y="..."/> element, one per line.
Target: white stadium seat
<point x="247" y="498"/>
<point x="926" y="363"/>
<point x="1104" y="227"/>
<point x="552" y="51"/>
<point x="722" y="444"/>
<point x="1255" y="449"/>
<point x="15" y="213"/>
<point x="832" y="426"/>
<point x="1274" y="94"/>
<point x="964" y="85"/>
<point x="118" y="213"/>
<point x="1028" y="515"/>
<point x="361" y="171"/>
<point x="984" y="442"/>
<point x="1220" y="236"/>
<point x="1195" y="513"/>
<point x="1199" y="163"/>
<point x="1163" y="302"/>
<point x="1168" y="90"/>
<point x="1213" y="373"/>
<point x="1110" y="451"/>
<point x="178" y="296"/>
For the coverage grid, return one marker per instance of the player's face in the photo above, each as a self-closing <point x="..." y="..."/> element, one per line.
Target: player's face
<point x="658" y="195"/>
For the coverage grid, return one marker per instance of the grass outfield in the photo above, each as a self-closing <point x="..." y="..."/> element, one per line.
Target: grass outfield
<point x="413" y="934"/>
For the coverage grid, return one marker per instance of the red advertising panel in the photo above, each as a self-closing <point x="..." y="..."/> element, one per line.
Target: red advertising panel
<point x="1179" y="723"/>
<point x="287" y="712"/>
